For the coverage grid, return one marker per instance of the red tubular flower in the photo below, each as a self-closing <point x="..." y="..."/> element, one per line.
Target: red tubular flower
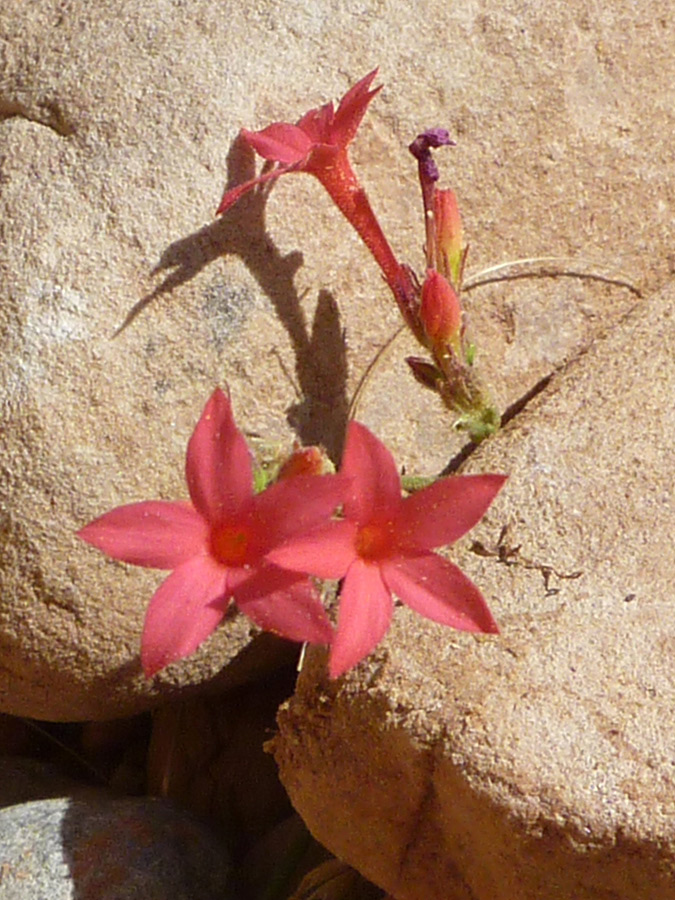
<point x="384" y="545"/>
<point x="440" y="311"/>
<point x="318" y="145"/>
<point x="217" y="545"/>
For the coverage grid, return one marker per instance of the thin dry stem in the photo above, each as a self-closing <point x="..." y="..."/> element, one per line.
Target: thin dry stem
<point x="486" y="275"/>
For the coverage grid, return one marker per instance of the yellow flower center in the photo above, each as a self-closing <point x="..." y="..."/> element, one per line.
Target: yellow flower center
<point x="373" y="541"/>
<point x="230" y="544"/>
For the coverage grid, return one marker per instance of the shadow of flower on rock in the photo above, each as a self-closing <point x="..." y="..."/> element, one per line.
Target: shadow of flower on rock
<point x="320" y="415"/>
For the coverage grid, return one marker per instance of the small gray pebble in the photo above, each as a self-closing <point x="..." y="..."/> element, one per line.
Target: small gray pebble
<point x="108" y="849"/>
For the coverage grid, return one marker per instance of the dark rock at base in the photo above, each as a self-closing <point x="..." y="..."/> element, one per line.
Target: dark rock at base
<point x="23" y="780"/>
<point x="67" y="848"/>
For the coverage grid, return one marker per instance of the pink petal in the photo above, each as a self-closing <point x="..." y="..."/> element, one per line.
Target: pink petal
<point x="437" y="589"/>
<point x="230" y="197"/>
<point x="317" y="124"/>
<point x="444" y="511"/>
<point x="184" y="611"/>
<point x="286" y="604"/>
<point x="218" y="467"/>
<point x="155" y="534"/>
<point x="365" y="615"/>
<point x="282" y="143"/>
<point x="352" y="109"/>
<point x="327" y="552"/>
<point x="375" y="488"/>
<point x="296" y="505"/>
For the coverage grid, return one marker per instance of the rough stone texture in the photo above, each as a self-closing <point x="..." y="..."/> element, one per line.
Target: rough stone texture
<point x="115" y="140"/>
<point x="108" y="850"/>
<point x="539" y="763"/>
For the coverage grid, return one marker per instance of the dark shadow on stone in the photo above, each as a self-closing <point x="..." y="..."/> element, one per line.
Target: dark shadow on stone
<point x="263" y="654"/>
<point x="121" y="849"/>
<point x="320" y="416"/>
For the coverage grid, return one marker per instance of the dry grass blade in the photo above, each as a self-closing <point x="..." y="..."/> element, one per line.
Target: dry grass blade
<point x="547" y="267"/>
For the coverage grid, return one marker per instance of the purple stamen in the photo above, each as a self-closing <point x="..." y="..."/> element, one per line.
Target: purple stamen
<point x="421" y="149"/>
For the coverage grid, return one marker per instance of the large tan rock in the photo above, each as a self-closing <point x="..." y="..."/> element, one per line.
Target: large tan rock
<point x="538" y="763"/>
<point x="115" y="140"/>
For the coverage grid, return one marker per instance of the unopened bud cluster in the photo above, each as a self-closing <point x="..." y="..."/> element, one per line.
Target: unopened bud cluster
<point x="440" y="325"/>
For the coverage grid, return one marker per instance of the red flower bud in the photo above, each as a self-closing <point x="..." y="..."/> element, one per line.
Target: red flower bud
<point x="303" y="461"/>
<point x="448" y="234"/>
<point x="440" y="311"/>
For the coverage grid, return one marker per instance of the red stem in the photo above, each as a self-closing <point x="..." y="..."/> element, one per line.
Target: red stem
<point x="338" y="178"/>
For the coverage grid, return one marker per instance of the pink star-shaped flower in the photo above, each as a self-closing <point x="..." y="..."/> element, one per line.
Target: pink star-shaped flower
<point x="319" y="139"/>
<point x="217" y="545"/>
<point x="318" y="144"/>
<point x="384" y="545"/>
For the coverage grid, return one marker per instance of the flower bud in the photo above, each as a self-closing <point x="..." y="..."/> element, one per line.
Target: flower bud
<point x="440" y="311"/>
<point x="427" y="374"/>
<point x="448" y="232"/>
<point x="303" y="461"/>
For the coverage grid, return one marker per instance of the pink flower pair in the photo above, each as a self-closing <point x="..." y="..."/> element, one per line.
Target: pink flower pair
<point x="259" y="550"/>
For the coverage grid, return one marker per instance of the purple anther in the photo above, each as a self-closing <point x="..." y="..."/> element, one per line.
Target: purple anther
<point x="421" y="149"/>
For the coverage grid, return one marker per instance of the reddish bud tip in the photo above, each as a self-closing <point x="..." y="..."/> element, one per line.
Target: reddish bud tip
<point x="304" y="461"/>
<point x="448" y="233"/>
<point x="440" y="311"/>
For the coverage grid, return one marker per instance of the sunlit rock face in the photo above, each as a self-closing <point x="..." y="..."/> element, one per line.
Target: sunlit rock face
<point x="123" y="302"/>
<point x="536" y="763"/>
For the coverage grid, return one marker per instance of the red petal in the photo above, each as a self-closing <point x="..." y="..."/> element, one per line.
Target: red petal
<point x="444" y="511"/>
<point x="365" y="614"/>
<point x="437" y="589"/>
<point x="375" y="488"/>
<point x="218" y="467"/>
<point x="327" y="552"/>
<point x="282" y="143"/>
<point x="317" y="124"/>
<point x="230" y="197"/>
<point x="300" y="504"/>
<point x="184" y="611"/>
<point x="155" y="534"/>
<point x="352" y="109"/>
<point x="286" y="604"/>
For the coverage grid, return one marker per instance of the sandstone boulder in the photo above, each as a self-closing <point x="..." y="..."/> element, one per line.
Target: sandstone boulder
<point x="537" y="763"/>
<point x="116" y="136"/>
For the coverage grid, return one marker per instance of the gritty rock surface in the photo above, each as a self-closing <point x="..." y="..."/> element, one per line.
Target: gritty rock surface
<point x="116" y="138"/>
<point x="537" y="763"/>
<point x="108" y="850"/>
